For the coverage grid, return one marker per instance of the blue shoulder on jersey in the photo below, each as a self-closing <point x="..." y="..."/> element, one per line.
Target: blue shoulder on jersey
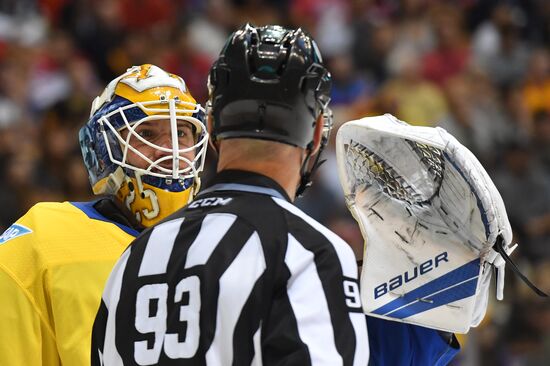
<point x="400" y="344"/>
<point x="92" y="213"/>
<point x="13" y="232"/>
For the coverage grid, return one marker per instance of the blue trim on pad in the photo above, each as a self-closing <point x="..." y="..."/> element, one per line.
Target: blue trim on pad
<point x="447" y="296"/>
<point x="455" y="285"/>
<point x="484" y="218"/>
<point x="92" y="213"/>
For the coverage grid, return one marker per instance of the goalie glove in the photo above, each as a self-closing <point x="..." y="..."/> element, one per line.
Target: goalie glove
<point x="434" y="223"/>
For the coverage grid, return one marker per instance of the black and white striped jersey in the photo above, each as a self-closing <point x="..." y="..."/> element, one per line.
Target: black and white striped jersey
<point x="240" y="276"/>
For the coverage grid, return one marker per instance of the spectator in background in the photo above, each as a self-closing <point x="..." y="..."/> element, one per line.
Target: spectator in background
<point x="499" y="48"/>
<point x="476" y="116"/>
<point x="258" y="12"/>
<point x="536" y="85"/>
<point x="349" y="86"/>
<point x="451" y="53"/>
<point x="413" y="30"/>
<point x="541" y="138"/>
<point x="372" y="40"/>
<point x="525" y="336"/>
<point x="140" y="47"/>
<point x="98" y="30"/>
<point x="516" y="113"/>
<point x="18" y="166"/>
<point x="49" y="72"/>
<point x="525" y="188"/>
<point x="328" y="20"/>
<point x="146" y="14"/>
<point x="410" y="97"/>
<point x="57" y="134"/>
<point x="19" y="150"/>
<point x="208" y="28"/>
<point x="182" y="58"/>
<point x="525" y="339"/>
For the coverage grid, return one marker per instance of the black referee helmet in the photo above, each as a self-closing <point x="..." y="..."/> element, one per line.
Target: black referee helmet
<point x="269" y="83"/>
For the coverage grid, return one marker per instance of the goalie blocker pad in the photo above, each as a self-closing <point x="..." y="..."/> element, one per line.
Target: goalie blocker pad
<point x="430" y="216"/>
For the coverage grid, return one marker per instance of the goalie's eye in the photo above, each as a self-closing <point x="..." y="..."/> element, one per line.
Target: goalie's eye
<point x="145" y="133"/>
<point x="159" y="133"/>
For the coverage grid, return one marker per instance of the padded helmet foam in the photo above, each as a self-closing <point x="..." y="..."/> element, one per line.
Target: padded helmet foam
<point x="269" y="83"/>
<point x="123" y="123"/>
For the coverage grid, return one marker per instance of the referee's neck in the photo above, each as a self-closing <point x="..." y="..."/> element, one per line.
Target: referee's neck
<point x="277" y="161"/>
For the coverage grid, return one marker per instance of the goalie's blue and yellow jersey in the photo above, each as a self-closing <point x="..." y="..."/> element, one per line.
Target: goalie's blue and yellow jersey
<point x="54" y="262"/>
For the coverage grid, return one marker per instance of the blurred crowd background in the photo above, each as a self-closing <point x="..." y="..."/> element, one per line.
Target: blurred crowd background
<point x="480" y="69"/>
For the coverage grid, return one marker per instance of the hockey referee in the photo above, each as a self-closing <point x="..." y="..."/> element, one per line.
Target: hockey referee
<point x="241" y="276"/>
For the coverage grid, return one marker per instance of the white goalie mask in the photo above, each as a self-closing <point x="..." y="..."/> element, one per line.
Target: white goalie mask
<point x="146" y="142"/>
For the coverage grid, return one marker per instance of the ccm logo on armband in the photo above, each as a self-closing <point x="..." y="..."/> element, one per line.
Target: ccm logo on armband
<point x="13" y="232"/>
<point x="209" y="202"/>
<point x="398" y="281"/>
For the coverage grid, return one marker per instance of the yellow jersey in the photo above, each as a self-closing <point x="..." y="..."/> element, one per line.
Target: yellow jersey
<point x="54" y="262"/>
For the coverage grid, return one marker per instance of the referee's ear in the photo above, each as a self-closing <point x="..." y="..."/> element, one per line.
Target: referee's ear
<point x="209" y="126"/>
<point x="317" y="134"/>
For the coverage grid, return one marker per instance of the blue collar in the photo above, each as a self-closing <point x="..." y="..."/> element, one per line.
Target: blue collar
<point x="244" y="181"/>
<point x="243" y="188"/>
<point x="92" y="213"/>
